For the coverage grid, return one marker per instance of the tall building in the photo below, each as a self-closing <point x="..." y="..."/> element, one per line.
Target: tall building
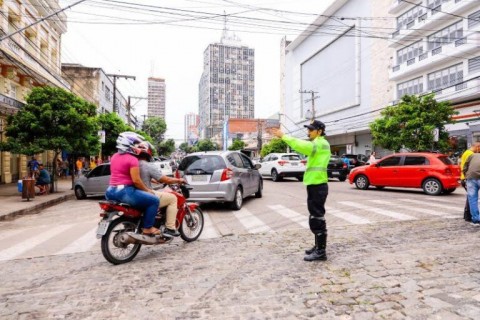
<point x="156" y="97"/>
<point x="28" y="59"/>
<point x="191" y="122"/>
<point x="227" y="85"/>
<point x="435" y="49"/>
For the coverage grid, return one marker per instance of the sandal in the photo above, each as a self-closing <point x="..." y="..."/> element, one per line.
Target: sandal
<point x="152" y="231"/>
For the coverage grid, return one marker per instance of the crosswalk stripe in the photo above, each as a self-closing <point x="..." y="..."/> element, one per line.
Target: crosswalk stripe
<point x="388" y="213"/>
<point x="292" y="215"/>
<point x="32" y="242"/>
<point x="431" y="204"/>
<point x="82" y="244"/>
<point x="251" y="223"/>
<point x="422" y="210"/>
<point x="209" y="230"/>
<point x="347" y="216"/>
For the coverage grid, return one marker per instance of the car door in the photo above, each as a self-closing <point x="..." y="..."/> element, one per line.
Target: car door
<point x="386" y="172"/>
<point x="240" y="172"/>
<point x="265" y="170"/>
<point x="413" y="171"/>
<point x="95" y="182"/>
<point x="252" y="178"/>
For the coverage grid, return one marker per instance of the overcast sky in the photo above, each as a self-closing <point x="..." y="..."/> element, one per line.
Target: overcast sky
<point x="167" y="38"/>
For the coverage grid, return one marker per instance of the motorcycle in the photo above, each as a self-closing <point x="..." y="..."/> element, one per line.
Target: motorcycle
<point x="121" y="226"/>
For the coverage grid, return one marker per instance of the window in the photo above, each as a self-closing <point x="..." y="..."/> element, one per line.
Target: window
<point x="407" y="19"/>
<point x="96" y="172"/>
<point x="389" y="162"/>
<point x="415" y="161"/>
<point x="409" y="52"/>
<point x="449" y="34"/>
<point x="474" y="65"/>
<point x="414" y="86"/>
<point x="246" y="162"/>
<point x="473" y="19"/>
<point x="445" y="78"/>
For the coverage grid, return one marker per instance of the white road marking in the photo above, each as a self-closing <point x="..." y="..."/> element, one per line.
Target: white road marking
<point x="209" y="230"/>
<point x="384" y="212"/>
<point x="251" y="223"/>
<point x="292" y="215"/>
<point x="417" y="209"/>
<point x="432" y="204"/>
<point x="82" y="244"/>
<point x="347" y="216"/>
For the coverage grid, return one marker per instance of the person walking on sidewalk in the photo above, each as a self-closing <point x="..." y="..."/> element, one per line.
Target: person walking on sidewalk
<point x="316" y="180"/>
<point x="471" y="171"/>
<point x="473" y="149"/>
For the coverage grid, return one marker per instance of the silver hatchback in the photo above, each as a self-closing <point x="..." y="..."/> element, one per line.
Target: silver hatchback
<point x="221" y="176"/>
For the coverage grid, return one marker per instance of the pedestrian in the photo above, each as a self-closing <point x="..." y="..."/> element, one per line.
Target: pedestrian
<point x="93" y="164"/>
<point x="43" y="179"/>
<point x="471" y="171"/>
<point x="32" y="166"/>
<point x="372" y="158"/>
<point x="79" y="166"/>
<point x="316" y="180"/>
<point x="473" y="149"/>
<point x="65" y="168"/>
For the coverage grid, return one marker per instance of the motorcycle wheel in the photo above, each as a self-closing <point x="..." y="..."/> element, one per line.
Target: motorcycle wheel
<point x="192" y="225"/>
<point x="115" y="251"/>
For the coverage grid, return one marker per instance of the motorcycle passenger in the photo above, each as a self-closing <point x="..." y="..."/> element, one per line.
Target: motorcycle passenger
<point x="126" y="184"/>
<point x="149" y="171"/>
<point x="316" y="180"/>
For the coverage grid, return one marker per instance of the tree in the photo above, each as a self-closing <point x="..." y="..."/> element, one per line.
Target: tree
<point x="275" y="145"/>
<point x="53" y="119"/>
<point x="237" y="144"/>
<point x="166" y="147"/>
<point x="155" y="127"/>
<point x="113" y="126"/>
<point x="186" y="148"/>
<point x="412" y="124"/>
<point x="206" y="145"/>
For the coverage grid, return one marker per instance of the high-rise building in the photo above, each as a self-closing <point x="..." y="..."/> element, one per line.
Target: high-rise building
<point x="227" y="85"/>
<point x="191" y="121"/>
<point x="156" y="97"/>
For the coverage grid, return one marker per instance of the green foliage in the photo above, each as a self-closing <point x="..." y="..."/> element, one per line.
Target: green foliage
<point x="275" y="145"/>
<point x="53" y="119"/>
<point x="237" y="144"/>
<point x="166" y="147"/>
<point x="155" y="127"/>
<point x="206" y="145"/>
<point x="186" y="148"/>
<point x="411" y="124"/>
<point x="113" y="126"/>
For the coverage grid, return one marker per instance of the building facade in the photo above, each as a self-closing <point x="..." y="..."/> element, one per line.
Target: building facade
<point x="253" y="132"/>
<point x="28" y="59"/>
<point x="191" y="134"/>
<point x="436" y="50"/>
<point x="156" y="97"/>
<point x="227" y="86"/>
<point x="336" y="71"/>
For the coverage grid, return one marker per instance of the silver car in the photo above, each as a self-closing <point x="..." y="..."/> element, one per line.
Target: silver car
<point x="221" y="176"/>
<point x="94" y="183"/>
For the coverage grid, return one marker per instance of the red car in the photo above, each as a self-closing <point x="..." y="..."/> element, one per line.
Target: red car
<point x="433" y="172"/>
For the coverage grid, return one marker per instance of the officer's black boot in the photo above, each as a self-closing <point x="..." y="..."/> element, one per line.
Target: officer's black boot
<point x="319" y="253"/>
<point x="309" y="251"/>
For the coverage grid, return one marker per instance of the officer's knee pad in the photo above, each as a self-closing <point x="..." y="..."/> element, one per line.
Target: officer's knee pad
<point x="317" y="224"/>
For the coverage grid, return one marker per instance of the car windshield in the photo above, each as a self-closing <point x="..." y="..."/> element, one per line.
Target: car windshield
<point x="291" y="157"/>
<point x="202" y="164"/>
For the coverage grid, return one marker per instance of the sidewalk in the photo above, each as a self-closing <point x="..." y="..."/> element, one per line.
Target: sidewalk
<point x="12" y="204"/>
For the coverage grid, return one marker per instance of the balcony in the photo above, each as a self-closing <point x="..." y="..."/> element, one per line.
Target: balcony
<point x="435" y="18"/>
<point x="465" y="91"/>
<point x="430" y="60"/>
<point x="397" y="6"/>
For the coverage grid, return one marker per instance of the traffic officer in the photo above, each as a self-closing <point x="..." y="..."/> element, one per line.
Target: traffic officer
<point x="315" y="178"/>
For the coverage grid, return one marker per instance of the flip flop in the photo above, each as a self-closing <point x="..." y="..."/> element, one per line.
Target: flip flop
<point x="152" y="232"/>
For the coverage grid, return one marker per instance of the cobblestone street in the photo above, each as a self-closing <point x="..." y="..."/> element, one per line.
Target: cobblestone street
<point x="410" y="270"/>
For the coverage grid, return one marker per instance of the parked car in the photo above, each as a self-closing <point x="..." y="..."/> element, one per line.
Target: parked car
<point x="356" y="160"/>
<point x="221" y="176"/>
<point x="165" y="167"/>
<point x="280" y="165"/>
<point x="433" y="172"/>
<point x="93" y="183"/>
<point x="337" y="168"/>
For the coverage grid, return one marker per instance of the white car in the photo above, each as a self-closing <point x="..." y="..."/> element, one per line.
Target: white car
<point x="165" y="167"/>
<point x="279" y="165"/>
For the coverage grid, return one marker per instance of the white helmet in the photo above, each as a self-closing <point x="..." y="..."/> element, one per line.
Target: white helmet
<point x="129" y="141"/>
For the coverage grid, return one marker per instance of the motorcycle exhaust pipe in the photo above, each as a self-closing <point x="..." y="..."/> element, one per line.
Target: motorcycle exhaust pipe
<point x="131" y="238"/>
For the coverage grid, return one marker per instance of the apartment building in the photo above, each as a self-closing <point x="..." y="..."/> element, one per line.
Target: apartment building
<point x="436" y="49"/>
<point x="28" y="59"/>
<point x="336" y="71"/>
<point x="227" y="86"/>
<point x="156" y="97"/>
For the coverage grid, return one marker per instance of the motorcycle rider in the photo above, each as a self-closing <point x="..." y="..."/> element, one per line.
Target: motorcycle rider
<point x="316" y="180"/>
<point x="126" y="184"/>
<point x="148" y="172"/>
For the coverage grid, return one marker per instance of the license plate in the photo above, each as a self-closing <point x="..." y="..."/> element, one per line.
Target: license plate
<point x="200" y="178"/>
<point x="294" y="163"/>
<point x="335" y="173"/>
<point x="102" y="228"/>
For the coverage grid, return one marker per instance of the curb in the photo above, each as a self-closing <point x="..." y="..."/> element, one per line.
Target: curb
<point x="37" y="207"/>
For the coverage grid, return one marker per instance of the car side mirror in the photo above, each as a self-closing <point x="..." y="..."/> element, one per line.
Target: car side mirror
<point x="257" y="166"/>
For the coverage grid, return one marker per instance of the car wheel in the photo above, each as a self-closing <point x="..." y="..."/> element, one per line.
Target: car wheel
<point x="237" y="202"/>
<point x="361" y="182"/>
<point x="448" y="191"/>
<point x="300" y="178"/>
<point x="79" y="193"/>
<point x="342" y="179"/>
<point x="275" y="176"/>
<point x="432" y="187"/>
<point x="259" y="193"/>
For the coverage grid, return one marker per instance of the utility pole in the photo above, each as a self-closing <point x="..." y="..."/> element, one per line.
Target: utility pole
<point x="311" y="99"/>
<point x="129" y="107"/>
<point x="259" y="136"/>
<point x="115" y="76"/>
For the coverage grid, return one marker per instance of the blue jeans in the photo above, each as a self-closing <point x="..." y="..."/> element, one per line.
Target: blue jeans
<point x="473" y="185"/>
<point x="138" y="199"/>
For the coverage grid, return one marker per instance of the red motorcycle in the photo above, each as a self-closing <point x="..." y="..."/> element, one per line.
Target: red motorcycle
<point x="121" y="226"/>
